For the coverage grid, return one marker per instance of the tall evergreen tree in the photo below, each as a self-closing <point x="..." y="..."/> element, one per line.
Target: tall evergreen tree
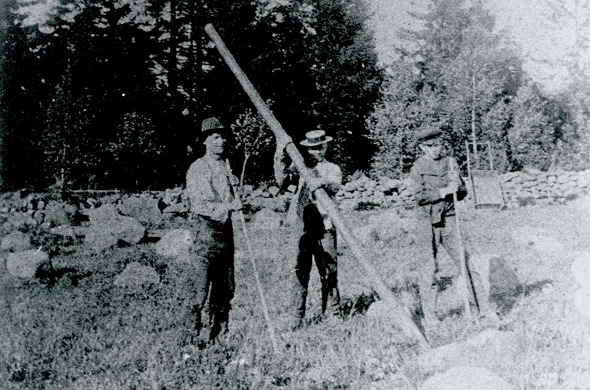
<point x="462" y="69"/>
<point x="149" y="63"/>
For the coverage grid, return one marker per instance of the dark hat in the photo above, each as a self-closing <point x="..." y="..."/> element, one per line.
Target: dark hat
<point x="428" y="134"/>
<point x="315" y="137"/>
<point x="210" y="126"/>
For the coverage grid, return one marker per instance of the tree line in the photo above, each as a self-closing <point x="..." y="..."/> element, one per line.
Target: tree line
<point x="110" y="94"/>
<point x="463" y="76"/>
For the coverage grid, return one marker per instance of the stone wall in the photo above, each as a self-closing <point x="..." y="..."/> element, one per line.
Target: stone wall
<point x="536" y="187"/>
<point x="527" y="187"/>
<point x="19" y="209"/>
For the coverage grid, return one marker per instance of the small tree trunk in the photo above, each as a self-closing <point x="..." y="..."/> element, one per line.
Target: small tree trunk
<point x="473" y="135"/>
<point x="243" y="173"/>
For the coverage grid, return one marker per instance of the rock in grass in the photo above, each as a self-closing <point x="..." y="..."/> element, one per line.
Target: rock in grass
<point x="143" y="208"/>
<point x="137" y="276"/>
<point x="16" y="241"/>
<point x="536" y="238"/>
<point x="581" y="270"/>
<point x="24" y="264"/>
<point x="582" y="302"/>
<point x="466" y="378"/>
<point x="504" y="285"/>
<point x="106" y="233"/>
<point x="267" y="219"/>
<point x="175" y="243"/>
<point x="492" y="349"/>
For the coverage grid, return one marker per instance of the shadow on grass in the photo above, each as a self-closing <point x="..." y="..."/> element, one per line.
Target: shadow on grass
<point x="350" y="307"/>
<point x="503" y="297"/>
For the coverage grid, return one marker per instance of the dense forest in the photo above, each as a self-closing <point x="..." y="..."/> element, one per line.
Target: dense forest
<point x="109" y="94"/>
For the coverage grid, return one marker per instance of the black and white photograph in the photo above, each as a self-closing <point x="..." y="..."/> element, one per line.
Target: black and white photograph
<point x="295" y="194"/>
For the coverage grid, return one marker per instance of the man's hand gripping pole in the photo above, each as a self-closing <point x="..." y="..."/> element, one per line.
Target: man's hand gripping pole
<point x="401" y="317"/>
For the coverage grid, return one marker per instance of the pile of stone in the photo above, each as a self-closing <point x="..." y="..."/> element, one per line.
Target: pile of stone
<point x="529" y="187"/>
<point x="266" y="198"/>
<point x="22" y="211"/>
<point x="367" y="193"/>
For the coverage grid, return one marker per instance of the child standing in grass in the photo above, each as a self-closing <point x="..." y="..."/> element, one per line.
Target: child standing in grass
<point x="436" y="178"/>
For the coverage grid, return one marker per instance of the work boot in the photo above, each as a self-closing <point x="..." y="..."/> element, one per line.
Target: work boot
<point x="219" y="322"/>
<point x="299" y="303"/>
<point x="297" y="323"/>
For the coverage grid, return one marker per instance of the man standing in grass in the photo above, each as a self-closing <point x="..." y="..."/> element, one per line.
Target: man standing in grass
<point x="312" y="230"/>
<point x="435" y="179"/>
<point x="212" y="202"/>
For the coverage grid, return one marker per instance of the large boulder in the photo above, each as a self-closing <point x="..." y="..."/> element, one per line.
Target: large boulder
<point x="500" y="281"/>
<point x="25" y="264"/>
<point x="68" y="231"/>
<point x="581" y="270"/>
<point x="532" y="237"/>
<point x="136" y="276"/>
<point x="16" y="241"/>
<point x="58" y="213"/>
<point x="466" y="378"/>
<point x="492" y="349"/>
<point x="382" y="309"/>
<point x="143" y="208"/>
<point x="267" y="219"/>
<point x="99" y="239"/>
<point x="582" y="302"/>
<point x="175" y="243"/>
<point x="384" y="228"/>
<point x="108" y="227"/>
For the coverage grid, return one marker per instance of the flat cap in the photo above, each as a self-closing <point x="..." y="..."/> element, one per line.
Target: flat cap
<point x="428" y="134"/>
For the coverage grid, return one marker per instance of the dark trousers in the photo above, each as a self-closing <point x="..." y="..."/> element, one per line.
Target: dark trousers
<point x="430" y="239"/>
<point x="212" y="273"/>
<point x="315" y="243"/>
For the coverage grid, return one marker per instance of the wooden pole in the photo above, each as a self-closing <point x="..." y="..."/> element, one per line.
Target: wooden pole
<point x="473" y="135"/>
<point x="491" y="156"/>
<point x="454" y="171"/>
<point x="271" y="331"/>
<point x="469" y="176"/>
<point x="401" y="318"/>
<point x="463" y="266"/>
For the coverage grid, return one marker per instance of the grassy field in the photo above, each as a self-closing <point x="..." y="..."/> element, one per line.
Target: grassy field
<point x="85" y="332"/>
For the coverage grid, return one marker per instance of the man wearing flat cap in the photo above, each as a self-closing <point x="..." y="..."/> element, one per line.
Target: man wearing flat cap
<point x="436" y="178"/>
<point x="212" y="201"/>
<point x="312" y="231"/>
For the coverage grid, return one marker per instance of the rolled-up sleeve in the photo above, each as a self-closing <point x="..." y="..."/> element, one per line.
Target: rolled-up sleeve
<point x="199" y="187"/>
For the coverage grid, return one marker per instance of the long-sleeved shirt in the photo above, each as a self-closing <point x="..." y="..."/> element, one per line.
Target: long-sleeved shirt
<point x="329" y="172"/>
<point x="428" y="177"/>
<point x="208" y="188"/>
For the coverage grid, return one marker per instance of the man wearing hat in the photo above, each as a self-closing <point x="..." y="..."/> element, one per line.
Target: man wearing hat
<point x="312" y="231"/>
<point x="212" y="202"/>
<point x="436" y="178"/>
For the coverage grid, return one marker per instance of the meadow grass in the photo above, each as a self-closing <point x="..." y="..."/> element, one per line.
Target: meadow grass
<point x="96" y="335"/>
